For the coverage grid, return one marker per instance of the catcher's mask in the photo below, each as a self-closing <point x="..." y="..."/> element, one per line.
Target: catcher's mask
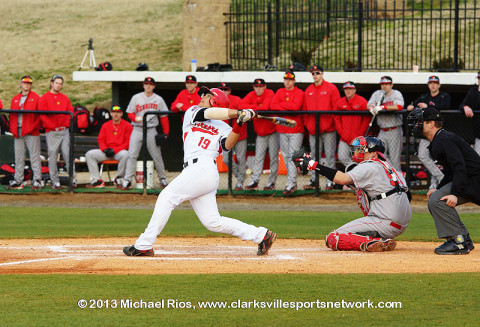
<point x="362" y="144"/>
<point x="218" y="99"/>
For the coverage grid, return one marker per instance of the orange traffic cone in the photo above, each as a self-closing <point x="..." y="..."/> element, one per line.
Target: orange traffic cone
<point x="282" y="170"/>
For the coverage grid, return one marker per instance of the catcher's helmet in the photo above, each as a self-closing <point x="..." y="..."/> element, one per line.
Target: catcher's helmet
<point x="219" y="98"/>
<point x="362" y="144"/>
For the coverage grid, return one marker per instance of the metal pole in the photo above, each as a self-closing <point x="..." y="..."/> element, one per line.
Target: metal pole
<point x="269" y="33"/>
<point x="360" y="24"/>
<point x="144" y="149"/>
<point x="317" y="151"/>
<point x="456" y="31"/>
<point x="70" y="156"/>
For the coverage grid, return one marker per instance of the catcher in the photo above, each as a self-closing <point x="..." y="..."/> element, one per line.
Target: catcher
<point x="382" y="195"/>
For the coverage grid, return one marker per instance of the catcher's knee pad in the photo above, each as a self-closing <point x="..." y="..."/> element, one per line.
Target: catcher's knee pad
<point x="350" y="241"/>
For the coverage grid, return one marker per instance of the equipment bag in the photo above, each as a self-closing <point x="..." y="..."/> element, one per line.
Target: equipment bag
<point x="100" y="117"/>
<point x="81" y="119"/>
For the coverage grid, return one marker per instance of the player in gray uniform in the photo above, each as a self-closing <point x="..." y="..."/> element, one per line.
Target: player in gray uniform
<point x="139" y="104"/>
<point x="390" y="125"/>
<point x="381" y="192"/>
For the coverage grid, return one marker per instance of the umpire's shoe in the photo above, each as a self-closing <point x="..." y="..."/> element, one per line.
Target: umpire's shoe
<point x="455" y="245"/>
<point x="131" y="251"/>
<point x="267" y="242"/>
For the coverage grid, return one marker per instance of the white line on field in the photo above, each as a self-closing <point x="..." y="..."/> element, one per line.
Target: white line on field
<point x="34" y="260"/>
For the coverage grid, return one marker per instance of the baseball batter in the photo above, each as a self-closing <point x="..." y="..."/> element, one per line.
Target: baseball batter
<point x="139" y="104"/>
<point x="382" y="193"/>
<point x="204" y="133"/>
<point x="390" y="125"/>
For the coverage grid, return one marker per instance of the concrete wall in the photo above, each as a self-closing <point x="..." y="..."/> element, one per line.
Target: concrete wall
<point x="204" y="33"/>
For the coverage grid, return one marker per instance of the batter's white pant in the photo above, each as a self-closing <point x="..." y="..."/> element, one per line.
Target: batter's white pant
<point x="197" y="183"/>
<point x="57" y="141"/>
<point x="326" y="142"/>
<point x="288" y="144"/>
<point x="426" y="159"/>
<point x="272" y="142"/>
<point x="95" y="156"/>
<point x="477" y="145"/>
<point x="370" y="224"/>
<point x="134" y="148"/>
<point x="239" y="169"/>
<point x="33" y="144"/>
<point x="393" y="140"/>
<point x="344" y="154"/>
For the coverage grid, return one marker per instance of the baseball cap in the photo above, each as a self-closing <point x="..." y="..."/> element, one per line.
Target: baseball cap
<point x="224" y="85"/>
<point x="478" y="74"/>
<point x="54" y="77"/>
<point x="116" y="108"/>
<point x="386" y="80"/>
<point x="316" y="68"/>
<point x="26" y="79"/>
<point x="434" y="79"/>
<point x="259" y="82"/>
<point x="349" y="85"/>
<point x="431" y="114"/>
<point x="190" y="79"/>
<point x="289" y="75"/>
<point x="149" y="80"/>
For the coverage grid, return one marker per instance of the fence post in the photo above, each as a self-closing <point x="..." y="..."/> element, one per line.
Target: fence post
<point x="360" y="24"/>
<point x="71" y="160"/>
<point x="328" y="18"/>
<point x="269" y="33"/>
<point x="456" y="31"/>
<point x="317" y="152"/>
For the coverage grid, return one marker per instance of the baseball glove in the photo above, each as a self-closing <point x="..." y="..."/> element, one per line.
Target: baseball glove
<point x="161" y="139"/>
<point x="301" y="158"/>
<point x="109" y="152"/>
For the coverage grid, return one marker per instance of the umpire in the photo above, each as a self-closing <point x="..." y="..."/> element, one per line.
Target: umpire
<point x="461" y="182"/>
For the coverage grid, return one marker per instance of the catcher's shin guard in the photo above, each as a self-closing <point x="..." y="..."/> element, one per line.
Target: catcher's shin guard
<point x="350" y="241"/>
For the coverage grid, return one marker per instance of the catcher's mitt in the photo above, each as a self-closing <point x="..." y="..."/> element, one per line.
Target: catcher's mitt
<point x="301" y="158"/>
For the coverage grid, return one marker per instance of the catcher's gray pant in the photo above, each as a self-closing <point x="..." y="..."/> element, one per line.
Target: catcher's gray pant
<point x="426" y="159"/>
<point x="447" y="220"/>
<point x="57" y="141"/>
<point x="393" y="140"/>
<point x="95" y="156"/>
<point x="289" y="142"/>
<point x="327" y="143"/>
<point x="21" y="143"/>
<point x="198" y="184"/>
<point x="272" y="142"/>
<point x="136" y="141"/>
<point x="370" y="226"/>
<point x="239" y="169"/>
<point x="344" y="154"/>
<point x="477" y="145"/>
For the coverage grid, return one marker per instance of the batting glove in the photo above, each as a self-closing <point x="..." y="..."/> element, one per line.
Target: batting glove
<point x="375" y="110"/>
<point x="138" y="119"/>
<point x="246" y="115"/>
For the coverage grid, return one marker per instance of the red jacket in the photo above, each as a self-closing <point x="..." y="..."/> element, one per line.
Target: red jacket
<point x="322" y="97"/>
<point x="262" y="127"/>
<point x="289" y="101"/>
<point x="116" y="137"/>
<point x="30" y="122"/>
<point x="55" y="102"/>
<point x="187" y="99"/>
<point x="234" y="102"/>
<point x="349" y="127"/>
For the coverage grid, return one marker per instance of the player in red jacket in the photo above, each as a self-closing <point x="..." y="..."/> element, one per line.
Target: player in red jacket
<point x="113" y="141"/>
<point x="188" y="97"/>
<point x="289" y="98"/>
<point x="240" y="149"/>
<point x="25" y="129"/>
<point x="56" y="128"/>
<point x="350" y="127"/>
<point x="267" y="137"/>
<point x="321" y="96"/>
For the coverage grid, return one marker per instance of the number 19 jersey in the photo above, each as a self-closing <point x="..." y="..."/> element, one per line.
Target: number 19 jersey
<point x="202" y="139"/>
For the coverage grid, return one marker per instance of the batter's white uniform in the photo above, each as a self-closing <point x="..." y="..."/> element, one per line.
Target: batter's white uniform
<point x="198" y="183"/>
<point x="140" y="104"/>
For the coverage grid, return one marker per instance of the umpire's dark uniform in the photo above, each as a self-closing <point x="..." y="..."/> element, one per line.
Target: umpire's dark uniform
<point x="461" y="167"/>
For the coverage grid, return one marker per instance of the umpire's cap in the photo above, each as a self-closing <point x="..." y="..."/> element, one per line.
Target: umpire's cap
<point x="431" y="114"/>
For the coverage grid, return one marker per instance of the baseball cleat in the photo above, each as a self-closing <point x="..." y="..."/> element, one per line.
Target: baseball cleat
<point x="239" y="187"/>
<point x="37" y="185"/>
<point x="389" y="244"/>
<point x="57" y="186"/>
<point x="289" y="190"/>
<point x="131" y="251"/>
<point x="163" y="182"/>
<point x="267" y="242"/>
<point x="252" y="186"/>
<point x="375" y="246"/>
<point x="15" y="185"/>
<point x="309" y="186"/>
<point x="96" y="184"/>
<point x="118" y="182"/>
<point x="269" y="187"/>
<point x="126" y="185"/>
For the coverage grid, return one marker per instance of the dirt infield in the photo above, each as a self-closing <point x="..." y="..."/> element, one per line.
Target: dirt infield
<point x="220" y="255"/>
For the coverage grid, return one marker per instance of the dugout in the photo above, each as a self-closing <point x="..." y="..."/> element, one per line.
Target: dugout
<point x="126" y="83"/>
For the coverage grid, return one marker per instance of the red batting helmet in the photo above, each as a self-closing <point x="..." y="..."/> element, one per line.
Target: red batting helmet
<point x="219" y="98"/>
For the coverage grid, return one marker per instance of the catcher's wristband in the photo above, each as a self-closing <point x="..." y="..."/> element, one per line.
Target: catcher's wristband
<point x="326" y="171"/>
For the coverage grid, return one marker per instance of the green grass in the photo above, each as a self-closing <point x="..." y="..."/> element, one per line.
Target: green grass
<point x="426" y="299"/>
<point x="85" y="222"/>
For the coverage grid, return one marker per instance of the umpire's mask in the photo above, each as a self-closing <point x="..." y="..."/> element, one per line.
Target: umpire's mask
<point x="415" y="123"/>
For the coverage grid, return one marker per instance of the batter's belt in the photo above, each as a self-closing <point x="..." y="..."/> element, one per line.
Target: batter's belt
<point x="195" y="160"/>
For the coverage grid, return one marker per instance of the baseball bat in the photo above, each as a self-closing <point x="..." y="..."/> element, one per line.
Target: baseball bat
<point x="374" y="116"/>
<point x="280" y="121"/>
